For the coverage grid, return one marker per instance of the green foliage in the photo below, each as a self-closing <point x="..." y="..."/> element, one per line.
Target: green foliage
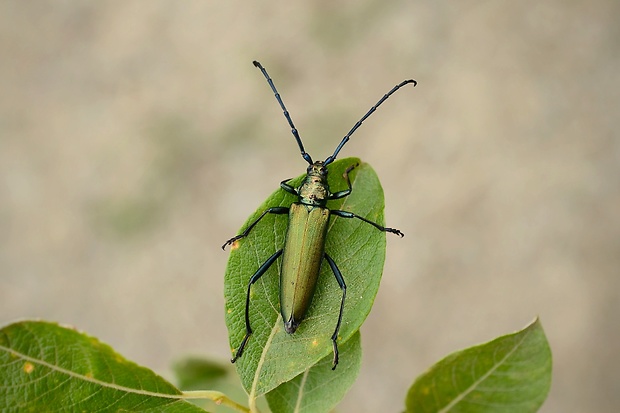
<point x="319" y="388"/>
<point x="198" y="373"/>
<point x="46" y="367"/>
<point x="272" y="356"/>
<point x="195" y="373"/>
<point x="511" y="374"/>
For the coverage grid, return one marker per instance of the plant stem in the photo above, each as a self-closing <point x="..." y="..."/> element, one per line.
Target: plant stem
<point x="217" y="397"/>
<point x="252" y="403"/>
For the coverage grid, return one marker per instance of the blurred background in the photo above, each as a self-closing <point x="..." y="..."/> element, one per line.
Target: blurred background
<point x="136" y="137"/>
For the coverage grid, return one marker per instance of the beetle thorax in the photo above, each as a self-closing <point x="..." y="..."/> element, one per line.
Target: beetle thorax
<point x="314" y="189"/>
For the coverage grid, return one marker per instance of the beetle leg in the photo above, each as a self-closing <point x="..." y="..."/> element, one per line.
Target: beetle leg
<point x="288" y="188"/>
<point x="343" y="287"/>
<point x="272" y="210"/>
<point x="346" y="192"/>
<point x="347" y="214"/>
<point x="259" y="273"/>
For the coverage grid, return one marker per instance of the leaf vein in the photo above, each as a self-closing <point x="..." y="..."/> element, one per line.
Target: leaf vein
<point x="89" y="379"/>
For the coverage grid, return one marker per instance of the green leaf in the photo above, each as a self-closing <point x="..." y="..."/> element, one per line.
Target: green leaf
<point x="319" y="388"/>
<point x="272" y="356"/>
<point x="195" y="373"/>
<point x="511" y="374"/>
<point x="47" y="367"/>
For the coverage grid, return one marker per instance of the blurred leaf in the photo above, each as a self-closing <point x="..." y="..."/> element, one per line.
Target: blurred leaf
<point x="47" y="367"/>
<point x="272" y="356"/>
<point x="511" y="374"/>
<point x="320" y="388"/>
<point x="198" y="373"/>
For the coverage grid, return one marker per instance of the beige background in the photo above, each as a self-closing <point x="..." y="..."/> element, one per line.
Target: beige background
<point x="135" y="137"/>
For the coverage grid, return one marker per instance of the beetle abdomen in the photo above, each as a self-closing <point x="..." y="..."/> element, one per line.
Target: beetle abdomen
<point x="304" y="248"/>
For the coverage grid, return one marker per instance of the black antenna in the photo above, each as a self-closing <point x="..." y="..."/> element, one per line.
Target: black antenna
<point x="286" y="115"/>
<point x="332" y="158"/>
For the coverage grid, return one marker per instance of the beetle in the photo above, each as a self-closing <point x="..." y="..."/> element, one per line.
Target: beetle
<point x="304" y="244"/>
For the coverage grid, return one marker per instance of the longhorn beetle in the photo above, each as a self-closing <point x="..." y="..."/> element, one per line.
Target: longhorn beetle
<point x="304" y="245"/>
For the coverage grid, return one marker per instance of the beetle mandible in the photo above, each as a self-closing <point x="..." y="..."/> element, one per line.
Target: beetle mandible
<point x="304" y="245"/>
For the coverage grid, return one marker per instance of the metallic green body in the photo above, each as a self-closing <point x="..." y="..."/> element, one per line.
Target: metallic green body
<point x="304" y="249"/>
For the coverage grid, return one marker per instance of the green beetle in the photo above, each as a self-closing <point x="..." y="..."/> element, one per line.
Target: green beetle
<point x="304" y="245"/>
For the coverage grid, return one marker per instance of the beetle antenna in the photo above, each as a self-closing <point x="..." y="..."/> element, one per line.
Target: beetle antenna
<point x="304" y="155"/>
<point x="359" y="122"/>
